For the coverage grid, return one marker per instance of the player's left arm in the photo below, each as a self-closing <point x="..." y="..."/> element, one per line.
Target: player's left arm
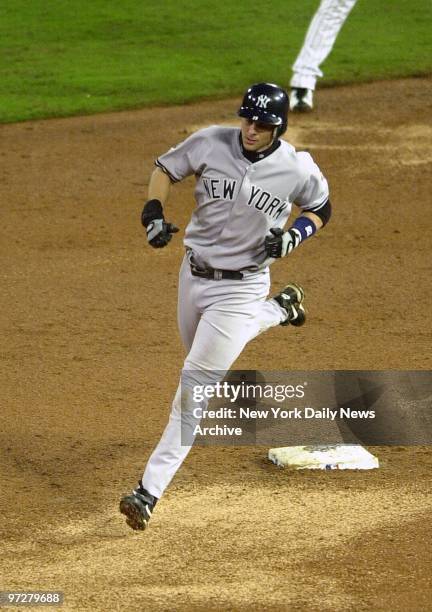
<point x="282" y="243"/>
<point x="317" y="221"/>
<point x="312" y="197"/>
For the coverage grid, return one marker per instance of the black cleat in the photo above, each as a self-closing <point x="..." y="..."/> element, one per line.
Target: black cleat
<point x="138" y="508"/>
<point x="290" y="299"/>
<point x="301" y="100"/>
<point x="298" y="319"/>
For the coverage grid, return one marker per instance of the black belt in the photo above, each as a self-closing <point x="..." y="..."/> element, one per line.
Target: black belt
<point x="213" y="274"/>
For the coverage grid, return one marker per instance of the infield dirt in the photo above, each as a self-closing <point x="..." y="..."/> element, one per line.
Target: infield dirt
<point x="91" y="356"/>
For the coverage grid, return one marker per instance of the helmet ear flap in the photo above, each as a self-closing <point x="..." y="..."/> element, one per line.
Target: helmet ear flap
<point x="283" y="128"/>
<point x="279" y="130"/>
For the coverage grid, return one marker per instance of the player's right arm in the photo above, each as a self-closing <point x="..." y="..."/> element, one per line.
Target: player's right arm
<point x="177" y="163"/>
<point x="173" y="166"/>
<point x="159" y="186"/>
<point x="159" y="232"/>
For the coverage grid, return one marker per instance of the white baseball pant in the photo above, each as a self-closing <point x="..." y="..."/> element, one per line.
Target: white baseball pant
<point x="319" y="41"/>
<point x="216" y="320"/>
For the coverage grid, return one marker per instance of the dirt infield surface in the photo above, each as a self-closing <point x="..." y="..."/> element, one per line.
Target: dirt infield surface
<point x="91" y="354"/>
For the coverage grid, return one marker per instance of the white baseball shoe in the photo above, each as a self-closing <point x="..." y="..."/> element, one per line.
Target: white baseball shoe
<point x="301" y="100"/>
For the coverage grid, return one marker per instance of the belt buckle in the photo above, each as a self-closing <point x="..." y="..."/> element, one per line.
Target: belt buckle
<point x="196" y="271"/>
<point x="217" y="274"/>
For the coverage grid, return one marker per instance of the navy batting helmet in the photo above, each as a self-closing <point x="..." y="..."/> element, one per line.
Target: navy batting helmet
<point x="267" y="103"/>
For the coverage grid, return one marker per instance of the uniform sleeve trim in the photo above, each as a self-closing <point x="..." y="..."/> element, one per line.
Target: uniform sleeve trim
<point x="162" y="167"/>
<point x="316" y="207"/>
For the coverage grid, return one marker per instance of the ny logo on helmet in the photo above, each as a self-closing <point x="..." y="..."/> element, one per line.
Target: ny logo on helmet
<point x="263" y="100"/>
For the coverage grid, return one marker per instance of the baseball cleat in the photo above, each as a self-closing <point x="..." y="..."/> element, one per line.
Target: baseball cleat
<point x="138" y="508"/>
<point x="299" y="317"/>
<point x="290" y="299"/>
<point x="301" y="100"/>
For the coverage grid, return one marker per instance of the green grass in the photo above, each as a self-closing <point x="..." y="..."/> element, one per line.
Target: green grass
<point x="66" y="57"/>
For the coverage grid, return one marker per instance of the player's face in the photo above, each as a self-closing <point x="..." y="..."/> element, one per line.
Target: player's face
<point x="256" y="136"/>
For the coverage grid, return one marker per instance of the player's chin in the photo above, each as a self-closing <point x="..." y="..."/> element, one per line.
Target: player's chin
<point x="250" y="146"/>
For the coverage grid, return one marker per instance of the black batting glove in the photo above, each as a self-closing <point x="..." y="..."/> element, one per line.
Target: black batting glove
<point x="159" y="232"/>
<point x="281" y="243"/>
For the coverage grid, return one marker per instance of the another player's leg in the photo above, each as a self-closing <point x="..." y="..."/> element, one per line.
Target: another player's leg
<point x="318" y="43"/>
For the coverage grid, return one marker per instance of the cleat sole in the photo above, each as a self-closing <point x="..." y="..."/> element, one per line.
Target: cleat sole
<point x="134" y="518"/>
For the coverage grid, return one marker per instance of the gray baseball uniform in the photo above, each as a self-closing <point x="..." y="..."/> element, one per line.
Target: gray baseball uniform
<point x="237" y="202"/>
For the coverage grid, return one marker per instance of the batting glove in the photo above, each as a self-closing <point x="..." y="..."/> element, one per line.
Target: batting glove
<point x="159" y="233"/>
<point x="281" y="243"/>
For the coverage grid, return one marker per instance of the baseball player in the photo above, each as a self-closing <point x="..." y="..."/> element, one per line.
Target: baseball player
<point x="318" y="43"/>
<point x="247" y="181"/>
